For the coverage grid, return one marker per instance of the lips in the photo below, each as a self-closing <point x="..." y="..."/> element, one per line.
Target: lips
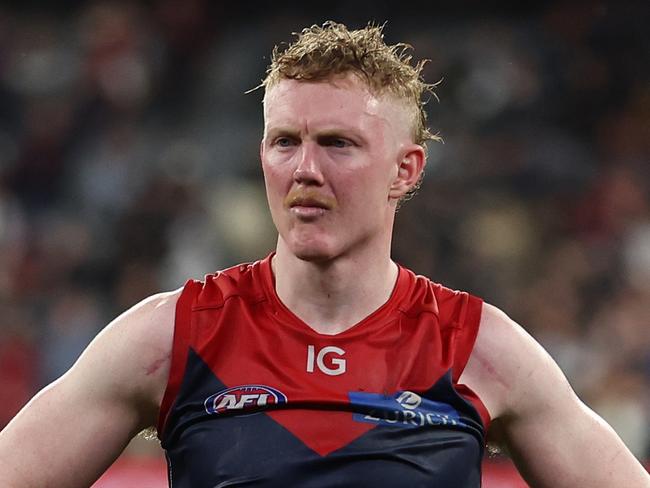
<point x="308" y="202"/>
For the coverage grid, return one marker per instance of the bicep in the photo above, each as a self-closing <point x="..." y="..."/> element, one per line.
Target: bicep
<point x="70" y="432"/>
<point x="66" y="435"/>
<point x="555" y="440"/>
<point x="565" y="444"/>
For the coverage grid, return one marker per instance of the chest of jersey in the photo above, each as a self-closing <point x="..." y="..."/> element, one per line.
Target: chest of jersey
<point x="266" y="401"/>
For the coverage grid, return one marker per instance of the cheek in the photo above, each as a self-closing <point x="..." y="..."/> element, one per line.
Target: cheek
<point x="375" y="180"/>
<point x="275" y="178"/>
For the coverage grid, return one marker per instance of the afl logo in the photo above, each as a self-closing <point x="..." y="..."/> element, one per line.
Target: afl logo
<point x="243" y="397"/>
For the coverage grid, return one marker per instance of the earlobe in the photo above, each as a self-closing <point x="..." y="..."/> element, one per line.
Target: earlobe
<point x="410" y="167"/>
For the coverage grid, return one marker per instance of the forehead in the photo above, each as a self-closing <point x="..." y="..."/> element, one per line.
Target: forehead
<point x="344" y="101"/>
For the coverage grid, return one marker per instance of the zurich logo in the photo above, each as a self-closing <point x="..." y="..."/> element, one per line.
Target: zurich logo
<point x="403" y="409"/>
<point x="410" y="400"/>
<point x="243" y="398"/>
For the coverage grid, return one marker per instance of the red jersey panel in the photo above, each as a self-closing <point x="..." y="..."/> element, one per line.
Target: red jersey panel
<point x="258" y="396"/>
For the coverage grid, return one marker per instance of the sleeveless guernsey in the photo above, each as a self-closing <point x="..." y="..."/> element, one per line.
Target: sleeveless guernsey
<point x="258" y="398"/>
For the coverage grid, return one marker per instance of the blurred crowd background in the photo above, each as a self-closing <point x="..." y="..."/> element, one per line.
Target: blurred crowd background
<point x="129" y="163"/>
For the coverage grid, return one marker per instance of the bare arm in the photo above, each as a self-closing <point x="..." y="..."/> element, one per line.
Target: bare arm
<point x="555" y="439"/>
<point x="70" y="432"/>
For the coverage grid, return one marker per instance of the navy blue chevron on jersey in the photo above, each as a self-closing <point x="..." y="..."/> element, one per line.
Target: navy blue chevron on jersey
<point x="258" y="398"/>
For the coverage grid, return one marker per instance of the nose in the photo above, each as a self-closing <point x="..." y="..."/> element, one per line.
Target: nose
<point x="308" y="170"/>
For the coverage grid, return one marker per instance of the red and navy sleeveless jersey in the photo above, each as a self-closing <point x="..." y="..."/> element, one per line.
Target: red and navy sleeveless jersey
<point x="258" y="398"/>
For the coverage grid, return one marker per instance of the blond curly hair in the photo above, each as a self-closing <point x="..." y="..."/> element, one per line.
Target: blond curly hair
<point x="321" y="52"/>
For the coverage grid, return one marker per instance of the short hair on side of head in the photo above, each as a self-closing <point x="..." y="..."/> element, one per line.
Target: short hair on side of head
<point x="322" y="52"/>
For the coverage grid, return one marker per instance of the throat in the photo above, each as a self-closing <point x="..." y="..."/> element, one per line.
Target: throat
<point x="332" y="300"/>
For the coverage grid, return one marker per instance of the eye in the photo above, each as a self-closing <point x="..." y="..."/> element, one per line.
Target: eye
<point x="337" y="142"/>
<point x="284" y="142"/>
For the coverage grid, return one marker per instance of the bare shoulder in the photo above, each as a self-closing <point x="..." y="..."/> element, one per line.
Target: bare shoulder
<point x="505" y="362"/>
<point x="137" y="346"/>
<point x="128" y="362"/>
<point x="110" y="394"/>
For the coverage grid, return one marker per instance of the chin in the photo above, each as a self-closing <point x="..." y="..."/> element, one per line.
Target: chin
<point x="307" y="245"/>
<point x="312" y="250"/>
<point x="312" y="254"/>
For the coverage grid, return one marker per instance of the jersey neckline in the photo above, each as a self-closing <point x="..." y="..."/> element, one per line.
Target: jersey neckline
<point x="376" y="319"/>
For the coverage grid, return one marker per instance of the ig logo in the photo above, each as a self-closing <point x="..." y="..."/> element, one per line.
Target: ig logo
<point x="338" y="362"/>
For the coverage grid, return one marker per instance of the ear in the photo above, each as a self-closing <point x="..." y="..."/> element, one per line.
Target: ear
<point x="262" y="150"/>
<point x="410" y="165"/>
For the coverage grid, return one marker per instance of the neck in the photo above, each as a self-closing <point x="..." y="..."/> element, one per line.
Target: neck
<point x="334" y="295"/>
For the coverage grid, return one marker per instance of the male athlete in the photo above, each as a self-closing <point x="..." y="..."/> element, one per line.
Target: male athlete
<point x="325" y="364"/>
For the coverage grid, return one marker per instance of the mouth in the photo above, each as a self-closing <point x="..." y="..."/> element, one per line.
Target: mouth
<point x="308" y="208"/>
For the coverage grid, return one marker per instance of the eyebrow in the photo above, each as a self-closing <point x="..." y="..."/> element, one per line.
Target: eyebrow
<point x="329" y="135"/>
<point x="283" y="130"/>
<point x="332" y="133"/>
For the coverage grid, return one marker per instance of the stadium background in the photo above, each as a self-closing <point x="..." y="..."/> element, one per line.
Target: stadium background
<point x="129" y="162"/>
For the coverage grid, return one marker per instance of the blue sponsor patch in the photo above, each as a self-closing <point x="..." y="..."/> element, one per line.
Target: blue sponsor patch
<point x="403" y="409"/>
